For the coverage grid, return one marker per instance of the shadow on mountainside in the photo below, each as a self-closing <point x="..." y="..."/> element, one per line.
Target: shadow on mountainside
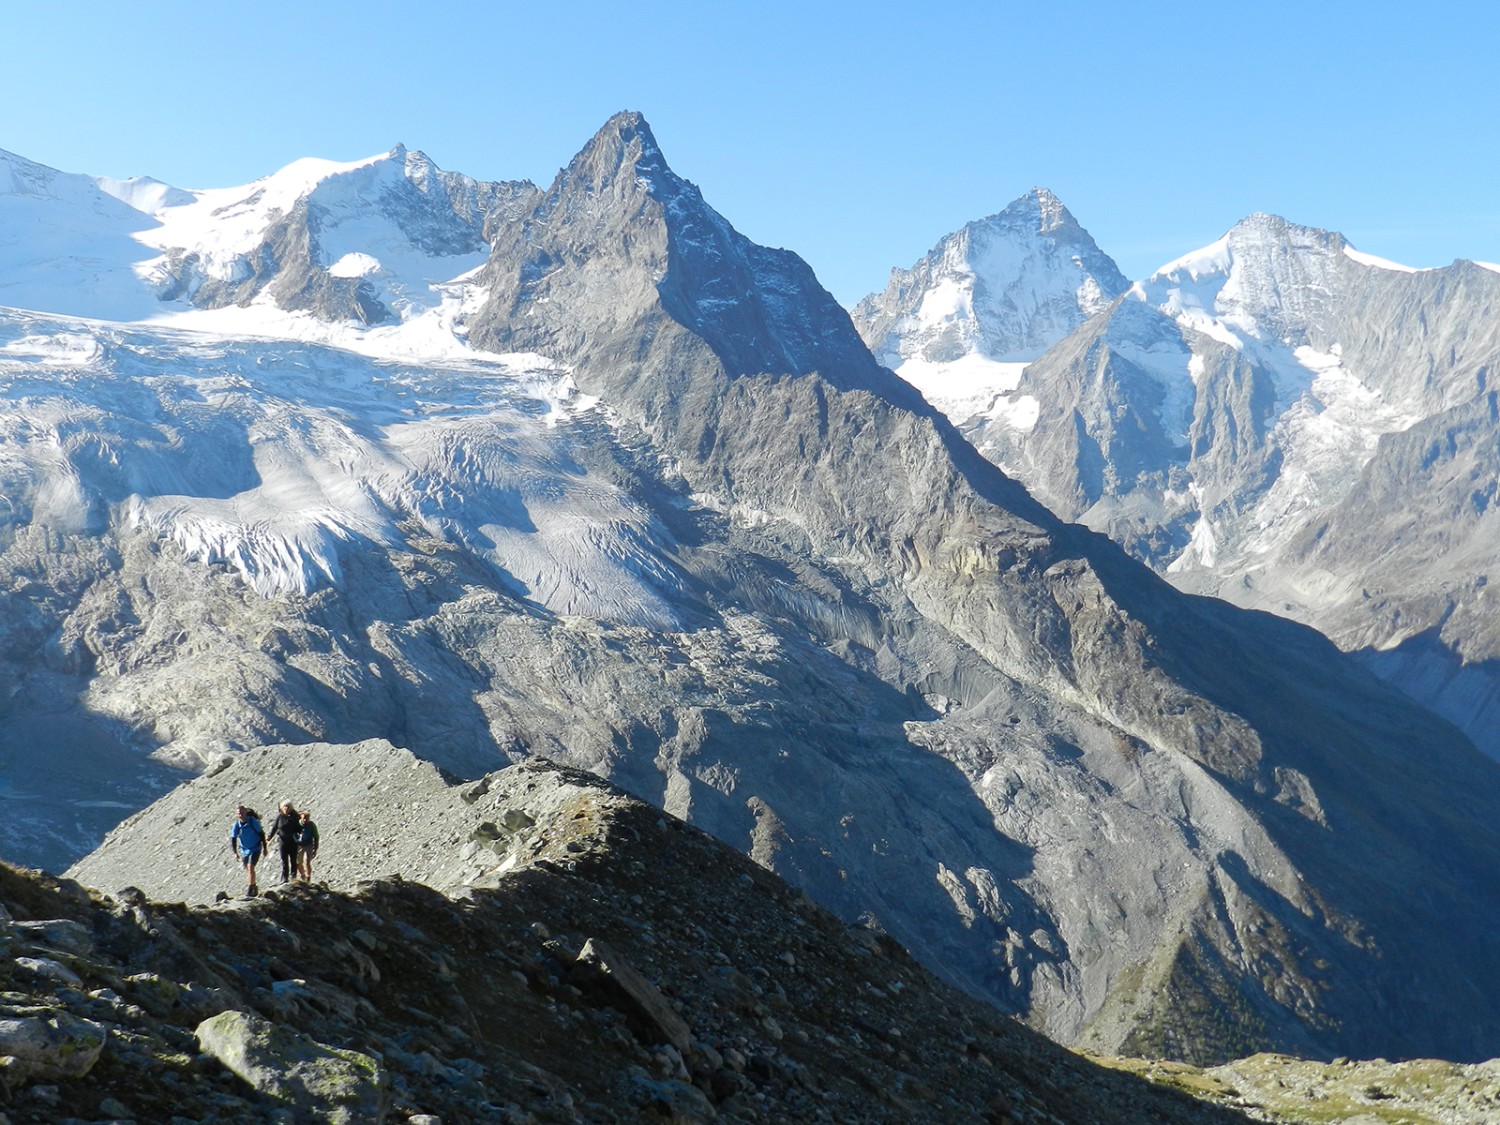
<point x="713" y="992"/>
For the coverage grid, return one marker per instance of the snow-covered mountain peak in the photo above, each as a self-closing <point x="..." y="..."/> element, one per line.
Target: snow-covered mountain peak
<point x="144" y="194"/>
<point x="1039" y="213"/>
<point x="68" y="245"/>
<point x="1257" y="236"/>
<point x="25" y="183"/>
<point x="318" y="249"/>
<point x="373" y="241"/>
<point x="1051" y="208"/>
<point x="987" y="299"/>
<point x="1265" y="277"/>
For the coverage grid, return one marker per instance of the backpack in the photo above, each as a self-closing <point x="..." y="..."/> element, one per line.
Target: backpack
<point x="250" y="835"/>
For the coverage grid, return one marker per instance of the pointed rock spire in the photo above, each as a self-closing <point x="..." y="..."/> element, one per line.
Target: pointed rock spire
<point x="622" y="265"/>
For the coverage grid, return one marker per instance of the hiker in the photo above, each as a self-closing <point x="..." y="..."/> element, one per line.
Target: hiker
<point x="284" y="832"/>
<point x="307" y="846"/>
<point x="247" y="839"/>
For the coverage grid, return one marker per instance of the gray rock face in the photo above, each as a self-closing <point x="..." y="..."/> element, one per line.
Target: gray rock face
<point x="701" y="543"/>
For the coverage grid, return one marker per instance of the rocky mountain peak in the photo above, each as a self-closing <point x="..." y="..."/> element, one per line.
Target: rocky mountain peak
<point x="622" y="250"/>
<point x="1259" y="248"/>
<point x="1266" y="277"/>
<point x="623" y="145"/>
<point x="1043" y="213"/>
<point x="1049" y="205"/>
<point x="1001" y="290"/>
<point x="1263" y="226"/>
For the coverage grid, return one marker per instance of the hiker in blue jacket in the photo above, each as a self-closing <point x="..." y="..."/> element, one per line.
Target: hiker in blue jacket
<point x="247" y="839"/>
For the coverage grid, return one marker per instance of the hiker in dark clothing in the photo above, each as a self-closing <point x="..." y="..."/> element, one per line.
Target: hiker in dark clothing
<point x="247" y="839"/>
<point x="307" y="845"/>
<point x="284" y="832"/>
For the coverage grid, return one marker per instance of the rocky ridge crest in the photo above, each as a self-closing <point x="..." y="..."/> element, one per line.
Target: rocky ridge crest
<point x="618" y="966"/>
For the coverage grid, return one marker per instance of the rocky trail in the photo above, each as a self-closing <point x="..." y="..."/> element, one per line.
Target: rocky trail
<point x="579" y="956"/>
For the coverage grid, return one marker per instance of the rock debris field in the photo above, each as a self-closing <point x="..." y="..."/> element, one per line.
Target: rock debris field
<point x="535" y="946"/>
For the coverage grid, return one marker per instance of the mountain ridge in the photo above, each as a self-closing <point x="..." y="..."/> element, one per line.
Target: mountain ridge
<point x="535" y="943"/>
<point x="1232" y="421"/>
<point x="668" y="520"/>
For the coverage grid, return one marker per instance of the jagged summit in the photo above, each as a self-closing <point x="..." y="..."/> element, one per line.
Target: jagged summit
<point x="622" y="250"/>
<point x="1041" y="210"/>
<point x="623" y="143"/>
<point x="961" y="323"/>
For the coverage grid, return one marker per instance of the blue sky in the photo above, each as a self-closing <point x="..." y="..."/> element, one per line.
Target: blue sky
<point x="854" y="134"/>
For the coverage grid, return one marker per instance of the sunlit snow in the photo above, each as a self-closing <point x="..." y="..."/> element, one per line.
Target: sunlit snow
<point x="270" y="456"/>
<point x="963" y="387"/>
<point x="1379" y="263"/>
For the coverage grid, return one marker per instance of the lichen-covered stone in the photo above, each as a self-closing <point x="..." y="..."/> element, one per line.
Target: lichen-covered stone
<point x="320" y="1083"/>
<point x="50" y="1047"/>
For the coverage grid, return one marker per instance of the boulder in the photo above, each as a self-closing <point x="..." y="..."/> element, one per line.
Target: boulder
<point x="601" y="964"/>
<point x="48" y="969"/>
<point x="55" y="1046"/>
<point x="319" y="1083"/>
<point x="62" y="934"/>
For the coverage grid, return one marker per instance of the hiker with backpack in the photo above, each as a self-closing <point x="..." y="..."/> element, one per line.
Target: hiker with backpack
<point x="307" y="846"/>
<point x="247" y="839"/>
<point x="284" y="832"/>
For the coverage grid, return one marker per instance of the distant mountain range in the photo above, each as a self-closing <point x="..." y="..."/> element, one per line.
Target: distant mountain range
<point x="494" y="471"/>
<point x="1277" y="419"/>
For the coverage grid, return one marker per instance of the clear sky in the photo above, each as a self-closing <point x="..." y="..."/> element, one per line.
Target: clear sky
<point x="856" y="134"/>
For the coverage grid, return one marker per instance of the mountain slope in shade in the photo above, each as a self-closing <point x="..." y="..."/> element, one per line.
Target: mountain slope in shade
<point x="668" y="520"/>
<point x="961" y="323"/>
<point x="535" y="944"/>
